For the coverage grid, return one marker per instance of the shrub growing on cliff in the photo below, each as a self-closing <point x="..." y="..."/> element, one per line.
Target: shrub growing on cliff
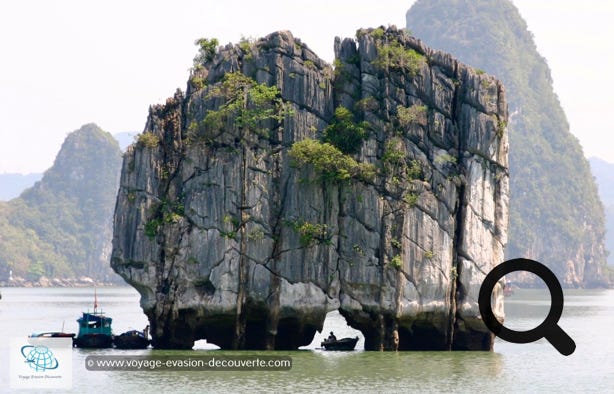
<point x="161" y="213"/>
<point x="332" y="164"/>
<point x="310" y="64"/>
<point x="367" y="104"/>
<point x="416" y="114"/>
<point x="394" y="153"/>
<point x="410" y="199"/>
<point x="445" y="158"/>
<point x="342" y="76"/>
<point x="396" y="261"/>
<point x="149" y="140"/>
<point x="198" y="82"/>
<point x="378" y="33"/>
<point x="207" y="47"/>
<point x="344" y="132"/>
<point x="395" y="56"/>
<point x="151" y="228"/>
<point x="246" y="102"/>
<point x="246" y="44"/>
<point x="311" y="233"/>
<point x="396" y="165"/>
<point x="501" y="126"/>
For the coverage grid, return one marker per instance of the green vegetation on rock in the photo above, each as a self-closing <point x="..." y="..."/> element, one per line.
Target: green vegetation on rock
<point x="332" y="158"/>
<point x="396" y="261"/>
<point x="393" y="55"/>
<point x="161" y="213"/>
<point x="149" y="140"/>
<point x="416" y="114"/>
<point x="344" y="132"/>
<point x="207" y="47"/>
<point x="331" y="163"/>
<point x="247" y="103"/>
<point x="311" y="233"/>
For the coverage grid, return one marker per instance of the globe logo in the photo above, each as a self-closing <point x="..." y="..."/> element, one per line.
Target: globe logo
<point x="39" y="358"/>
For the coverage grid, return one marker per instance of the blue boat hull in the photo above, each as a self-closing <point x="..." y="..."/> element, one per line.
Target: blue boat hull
<point x="94" y="341"/>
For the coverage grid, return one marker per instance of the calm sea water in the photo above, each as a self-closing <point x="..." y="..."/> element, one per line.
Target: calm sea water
<point x="537" y="367"/>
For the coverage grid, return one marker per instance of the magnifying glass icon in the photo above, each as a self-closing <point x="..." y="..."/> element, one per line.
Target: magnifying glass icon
<point x="549" y="328"/>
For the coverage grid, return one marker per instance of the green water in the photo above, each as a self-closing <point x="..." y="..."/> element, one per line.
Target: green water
<point x="588" y="318"/>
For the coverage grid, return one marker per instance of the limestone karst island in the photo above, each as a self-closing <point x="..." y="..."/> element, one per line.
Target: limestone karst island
<point x="279" y="187"/>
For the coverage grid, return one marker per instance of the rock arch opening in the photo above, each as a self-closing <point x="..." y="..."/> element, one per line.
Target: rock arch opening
<point x="336" y="323"/>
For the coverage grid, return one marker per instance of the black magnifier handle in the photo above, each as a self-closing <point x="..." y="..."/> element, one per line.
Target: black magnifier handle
<point x="560" y="340"/>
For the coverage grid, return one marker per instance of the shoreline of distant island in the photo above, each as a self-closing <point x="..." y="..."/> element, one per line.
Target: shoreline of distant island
<point x="45" y="282"/>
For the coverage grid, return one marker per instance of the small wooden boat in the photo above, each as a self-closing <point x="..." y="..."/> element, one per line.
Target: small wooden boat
<point x="340" y="344"/>
<point x="53" y="334"/>
<point x="132" y="339"/>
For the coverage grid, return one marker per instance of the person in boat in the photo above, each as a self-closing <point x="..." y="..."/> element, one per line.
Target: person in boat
<point x="146" y="332"/>
<point x="331" y="337"/>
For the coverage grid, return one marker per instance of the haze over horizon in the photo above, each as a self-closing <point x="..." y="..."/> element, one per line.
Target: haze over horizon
<point x="68" y="63"/>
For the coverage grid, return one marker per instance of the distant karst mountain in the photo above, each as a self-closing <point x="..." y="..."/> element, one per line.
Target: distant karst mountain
<point x="12" y="185"/>
<point x="61" y="227"/>
<point x="555" y="212"/>
<point x="604" y="174"/>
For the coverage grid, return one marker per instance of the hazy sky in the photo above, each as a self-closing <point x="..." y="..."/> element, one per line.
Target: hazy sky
<point x="65" y="63"/>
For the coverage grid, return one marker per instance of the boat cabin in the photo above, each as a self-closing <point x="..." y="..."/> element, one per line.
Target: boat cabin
<point x="94" y="323"/>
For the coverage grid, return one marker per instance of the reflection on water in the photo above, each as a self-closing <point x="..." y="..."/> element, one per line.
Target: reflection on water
<point x="588" y="317"/>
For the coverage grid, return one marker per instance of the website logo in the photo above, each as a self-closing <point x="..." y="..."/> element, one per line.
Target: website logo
<point x="40" y="363"/>
<point x="39" y="358"/>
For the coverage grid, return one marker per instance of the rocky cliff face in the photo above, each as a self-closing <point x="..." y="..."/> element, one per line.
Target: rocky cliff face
<point x="278" y="188"/>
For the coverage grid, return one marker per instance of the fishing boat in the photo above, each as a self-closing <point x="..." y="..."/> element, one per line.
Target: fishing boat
<point x="132" y="339"/>
<point x="94" y="329"/>
<point x="340" y="344"/>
